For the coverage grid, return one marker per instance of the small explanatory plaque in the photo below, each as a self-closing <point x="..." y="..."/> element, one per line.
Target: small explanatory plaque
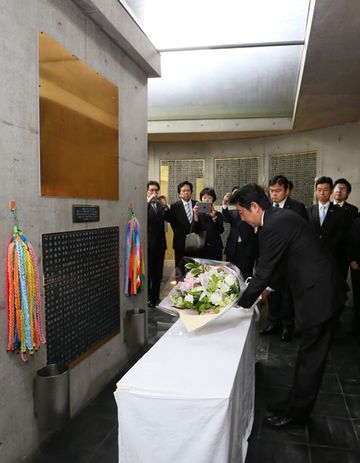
<point x="85" y="213"/>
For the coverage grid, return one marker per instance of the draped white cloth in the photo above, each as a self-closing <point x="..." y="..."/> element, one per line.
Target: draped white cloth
<point x="191" y="397"/>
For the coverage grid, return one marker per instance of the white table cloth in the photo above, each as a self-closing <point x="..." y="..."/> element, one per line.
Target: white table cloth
<point x="190" y="399"/>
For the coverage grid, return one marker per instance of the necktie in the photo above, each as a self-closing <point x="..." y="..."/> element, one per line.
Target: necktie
<point x="154" y="206"/>
<point x="322" y="215"/>
<point x="276" y="205"/>
<point x="188" y="212"/>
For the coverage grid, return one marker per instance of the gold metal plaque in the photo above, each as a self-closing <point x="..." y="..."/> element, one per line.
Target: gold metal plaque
<point x="79" y="146"/>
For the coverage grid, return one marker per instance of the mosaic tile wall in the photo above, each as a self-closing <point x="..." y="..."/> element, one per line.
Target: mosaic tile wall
<point x="234" y="172"/>
<point x="300" y="168"/>
<point x="180" y="170"/>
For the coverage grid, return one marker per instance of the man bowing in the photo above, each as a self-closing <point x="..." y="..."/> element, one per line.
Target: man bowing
<point x="289" y="249"/>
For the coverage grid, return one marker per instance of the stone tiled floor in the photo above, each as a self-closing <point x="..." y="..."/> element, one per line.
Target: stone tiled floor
<point x="332" y="435"/>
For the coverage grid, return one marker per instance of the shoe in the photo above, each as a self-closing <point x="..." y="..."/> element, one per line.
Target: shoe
<point x="270" y="329"/>
<point x="152" y="305"/>
<point x="282" y="421"/>
<point x="286" y="334"/>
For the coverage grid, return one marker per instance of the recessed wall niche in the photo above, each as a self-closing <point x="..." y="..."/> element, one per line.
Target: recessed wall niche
<point x="79" y="146"/>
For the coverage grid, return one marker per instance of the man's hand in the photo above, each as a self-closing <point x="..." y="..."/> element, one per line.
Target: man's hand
<point x="354" y="265"/>
<point x="226" y="198"/>
<point x="152" y="197"/>
<point x="265" y="294"/>
<point x="162" y="200"/>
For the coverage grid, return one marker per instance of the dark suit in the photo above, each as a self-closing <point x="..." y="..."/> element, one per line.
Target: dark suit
<point x="156" y="249"/>
<point x="295" y="206"/>
<point x="332" y="232"/>
<point x="353" y="254"/>
<point x="181" y="227"/>
<point x="213" y="243"/>
<point x="288" y="246"/>
<point x="280" y="303"/>
<point x="351" y="212"/>
<point x="243" y="253"/>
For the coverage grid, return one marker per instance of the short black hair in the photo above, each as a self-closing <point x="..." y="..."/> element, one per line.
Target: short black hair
<point x="153" y="182"/>
<point x="281" y="180"/>
<point x="291" y="185"/>
<point x="208" y="191"/>
<point x="183" y="184"/>
<point x="345" y="182"/>
<point x="250" y="193"/>
<point x="234" y="188"/>
<point x="321" y="180"/>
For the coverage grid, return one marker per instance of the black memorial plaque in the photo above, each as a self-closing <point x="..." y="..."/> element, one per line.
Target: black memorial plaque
<point x="85" y="213"/>
<point x="81" y="273"/>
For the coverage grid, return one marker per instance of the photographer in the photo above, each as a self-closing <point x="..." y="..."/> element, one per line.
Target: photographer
<point x="209" y="220"/>
<point x="156" y="211"/>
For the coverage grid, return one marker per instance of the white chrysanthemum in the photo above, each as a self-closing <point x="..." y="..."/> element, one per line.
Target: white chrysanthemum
<point x="223" y="287"/>
<point x="216" y="298"/>
<point x="230" y="280"/>
<point x="189" y="298"/>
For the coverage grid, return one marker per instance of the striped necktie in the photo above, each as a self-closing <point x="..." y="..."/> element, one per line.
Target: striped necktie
<point x="188" y="212"/>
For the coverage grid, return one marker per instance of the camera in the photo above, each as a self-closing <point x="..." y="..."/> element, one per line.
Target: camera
<point x="204" y="208"/>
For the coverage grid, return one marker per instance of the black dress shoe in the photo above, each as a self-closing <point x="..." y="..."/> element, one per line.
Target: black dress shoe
<point x="281" y="421"/>
<point x="270" y="329"/>
<point x="152" y="305"/>
<point x="286" y="335"/>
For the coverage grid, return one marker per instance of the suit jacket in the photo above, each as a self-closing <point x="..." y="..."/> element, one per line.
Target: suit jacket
<point x="239" y="228"/>
<point x="287" y="245"/>
<point x="296" y="206"/>
<point x="156" y="227"/>
<point x="179" y="223"/>
<point x="332" y="231"/>
<point x="213" y="233"/>
<point x="350" y="211"/>
<point x="353" y="242"/>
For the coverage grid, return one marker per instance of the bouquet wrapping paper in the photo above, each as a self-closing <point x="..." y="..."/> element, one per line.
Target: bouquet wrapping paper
<point x="210" y="288"/>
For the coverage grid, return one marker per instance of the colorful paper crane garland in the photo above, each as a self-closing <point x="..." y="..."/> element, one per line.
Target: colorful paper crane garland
<point x="23" y="295"/>
<point x="134" y="265"/>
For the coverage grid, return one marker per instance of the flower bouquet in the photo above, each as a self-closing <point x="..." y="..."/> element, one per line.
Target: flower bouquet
<point x="209" y="289"/>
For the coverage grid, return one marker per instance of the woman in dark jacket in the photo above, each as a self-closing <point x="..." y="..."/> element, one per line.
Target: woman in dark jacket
<point x="212" y="223"/>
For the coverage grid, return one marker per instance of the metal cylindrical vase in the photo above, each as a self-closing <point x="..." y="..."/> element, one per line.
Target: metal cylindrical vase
<point x="135" y="328"/>
<point x="52" y="397"/>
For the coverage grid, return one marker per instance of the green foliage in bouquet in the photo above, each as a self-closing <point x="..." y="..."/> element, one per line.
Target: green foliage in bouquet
<point x="206" y="288"/>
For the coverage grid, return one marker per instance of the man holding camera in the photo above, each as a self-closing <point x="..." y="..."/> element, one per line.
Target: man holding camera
<point x="156" y="211"/>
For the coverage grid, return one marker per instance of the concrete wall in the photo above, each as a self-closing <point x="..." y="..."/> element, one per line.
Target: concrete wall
<point x="65" y="22"/>
<point x="337" y="148"/>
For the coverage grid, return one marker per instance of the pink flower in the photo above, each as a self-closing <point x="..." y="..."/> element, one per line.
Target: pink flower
<point x="185" y="285"/>
<point x="189" y="282"/>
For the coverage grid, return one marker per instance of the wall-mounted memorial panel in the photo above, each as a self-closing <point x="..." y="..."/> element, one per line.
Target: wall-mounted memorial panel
<point x="79" y="147"/>
<point x="300" y="168"/>
<point x="230" y="172"/>
<point x="81" y="277"/>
